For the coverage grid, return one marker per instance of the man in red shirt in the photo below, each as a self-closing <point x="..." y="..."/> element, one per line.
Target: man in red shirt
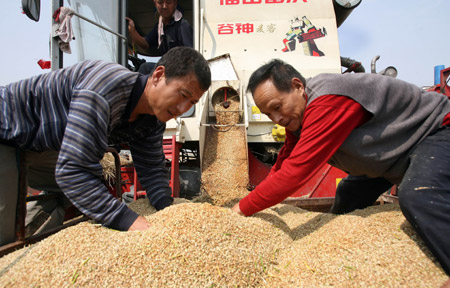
<point x="381" y="131"/>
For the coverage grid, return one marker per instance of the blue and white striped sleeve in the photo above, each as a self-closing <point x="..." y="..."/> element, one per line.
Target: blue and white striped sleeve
<point x="149" y="161"/>
<point x="78" y="171"/>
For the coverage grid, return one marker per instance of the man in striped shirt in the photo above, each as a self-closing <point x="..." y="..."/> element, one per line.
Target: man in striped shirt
<point x="74" y="113"/>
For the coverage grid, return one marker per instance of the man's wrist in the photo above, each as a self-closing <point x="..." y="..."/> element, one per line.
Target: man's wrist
<point x="163" y="203"/>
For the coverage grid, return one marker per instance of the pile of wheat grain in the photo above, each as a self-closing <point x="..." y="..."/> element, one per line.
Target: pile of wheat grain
<point x="201" y="245"/>
<point x="190" y="245"/>
<point x="373" y="247"/>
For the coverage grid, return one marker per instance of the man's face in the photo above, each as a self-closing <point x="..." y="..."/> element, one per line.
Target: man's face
<point x="171" y="99"/>
<point x="166" y="7"/>
<point x="284" y="108"/>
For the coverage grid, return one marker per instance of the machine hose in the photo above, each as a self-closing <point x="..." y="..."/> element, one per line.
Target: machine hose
<point x="352" y="65"/>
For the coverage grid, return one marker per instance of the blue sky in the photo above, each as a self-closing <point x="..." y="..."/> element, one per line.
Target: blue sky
<point x="411" y="35"/>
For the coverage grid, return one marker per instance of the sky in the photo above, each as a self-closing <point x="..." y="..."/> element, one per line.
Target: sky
<point x="411" y="35"/>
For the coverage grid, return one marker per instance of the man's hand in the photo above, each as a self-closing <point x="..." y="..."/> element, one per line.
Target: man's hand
<point x="131" y="26"/>
<point x="135" y="36"/>
<point x="139" y="224"/>
<point x="446" y="284"/>
<point x="237" y="209"/>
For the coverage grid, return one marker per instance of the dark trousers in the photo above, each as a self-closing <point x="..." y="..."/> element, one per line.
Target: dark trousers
<point x="358" y="192"/>
<point x="40" y="176"/>
<point x="424" y="194"/>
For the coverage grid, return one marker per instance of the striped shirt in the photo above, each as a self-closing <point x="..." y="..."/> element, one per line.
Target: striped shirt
<point x="79" y="111"/>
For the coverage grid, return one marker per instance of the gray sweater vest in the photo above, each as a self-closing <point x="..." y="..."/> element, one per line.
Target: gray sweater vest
<point x="403" y="115"/>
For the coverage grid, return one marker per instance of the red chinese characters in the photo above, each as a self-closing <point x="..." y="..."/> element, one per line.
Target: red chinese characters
<point x="238" y="27"/>
<point x="225" y="29"/>
<point x="244" y="28"/>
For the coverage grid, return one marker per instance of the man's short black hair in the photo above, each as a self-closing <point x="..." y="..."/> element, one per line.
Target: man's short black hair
<point x="279" y="72"/>
<point x="181" y="61"/>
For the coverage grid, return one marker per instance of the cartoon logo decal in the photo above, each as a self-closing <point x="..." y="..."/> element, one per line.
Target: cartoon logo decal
<point x="305" y="32"/>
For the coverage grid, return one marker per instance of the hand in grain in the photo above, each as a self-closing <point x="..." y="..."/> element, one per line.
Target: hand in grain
<point x="139" y="224"/>
<point x="237" y="209"/>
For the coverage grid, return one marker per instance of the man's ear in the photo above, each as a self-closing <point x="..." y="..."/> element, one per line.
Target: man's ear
<point x="297" y="84"/>
<point x="158" y="74"/>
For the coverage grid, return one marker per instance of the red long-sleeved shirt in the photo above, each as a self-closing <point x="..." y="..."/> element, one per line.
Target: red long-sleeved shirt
<point x="327" y="122"/>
